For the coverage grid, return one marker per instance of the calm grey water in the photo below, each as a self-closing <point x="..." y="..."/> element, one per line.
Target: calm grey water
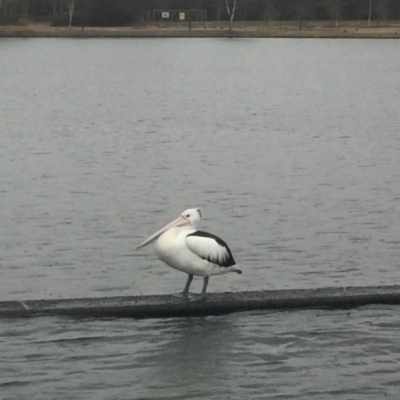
<point x="291" y="147"/>
<point x="312" y="354"/>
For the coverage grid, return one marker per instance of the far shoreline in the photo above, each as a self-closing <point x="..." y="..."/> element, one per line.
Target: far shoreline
<point x="276" y="29"/>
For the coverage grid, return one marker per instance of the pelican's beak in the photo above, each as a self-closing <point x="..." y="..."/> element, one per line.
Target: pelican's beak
<point x="180" y="221"/>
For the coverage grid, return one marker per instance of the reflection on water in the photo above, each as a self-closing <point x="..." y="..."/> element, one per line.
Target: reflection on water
<point x="195" y="352"/>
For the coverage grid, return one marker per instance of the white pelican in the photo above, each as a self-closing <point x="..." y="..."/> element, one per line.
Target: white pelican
<point x="181" y="246"/>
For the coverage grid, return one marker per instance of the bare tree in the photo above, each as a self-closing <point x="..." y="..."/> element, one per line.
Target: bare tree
<point x="333" y="8"/>
<point x="336" y="13"/>
<point x="369" y="12"/>
<point x="71" y="6"/>
<point x="231" y="8"/>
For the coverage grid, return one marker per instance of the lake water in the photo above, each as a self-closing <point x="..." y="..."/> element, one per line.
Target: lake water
<point x="291" y="148"/>
<point x="310" y="354"/>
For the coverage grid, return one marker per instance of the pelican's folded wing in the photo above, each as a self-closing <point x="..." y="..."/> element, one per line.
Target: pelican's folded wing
<point x="211" y="248"/>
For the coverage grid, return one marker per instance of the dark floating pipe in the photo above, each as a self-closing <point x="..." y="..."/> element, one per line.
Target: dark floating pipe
<point x="162" y="306"/>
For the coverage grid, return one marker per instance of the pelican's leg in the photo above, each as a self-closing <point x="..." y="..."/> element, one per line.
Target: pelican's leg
<point x="188" y="282"/>
<point x="203" y="291"/>
<point x="202" y="295"/>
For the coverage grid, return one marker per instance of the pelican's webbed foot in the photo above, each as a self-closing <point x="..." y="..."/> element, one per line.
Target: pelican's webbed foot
<point x="196" y="297"/>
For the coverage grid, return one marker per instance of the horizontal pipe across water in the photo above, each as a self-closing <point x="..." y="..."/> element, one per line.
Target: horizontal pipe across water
<point x="160" y="306"/>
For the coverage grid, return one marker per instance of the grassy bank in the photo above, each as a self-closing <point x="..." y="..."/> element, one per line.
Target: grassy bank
<point x="276" y="29"/>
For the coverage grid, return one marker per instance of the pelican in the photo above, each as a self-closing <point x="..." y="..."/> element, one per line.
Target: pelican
<point x="181" y="246"/>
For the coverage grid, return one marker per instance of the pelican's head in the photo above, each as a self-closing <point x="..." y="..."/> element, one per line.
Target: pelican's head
<point x="190" y="218"/>
<point x="193" y="216"/>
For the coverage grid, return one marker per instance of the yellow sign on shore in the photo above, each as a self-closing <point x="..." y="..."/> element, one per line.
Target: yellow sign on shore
<point x="182" y="16"/>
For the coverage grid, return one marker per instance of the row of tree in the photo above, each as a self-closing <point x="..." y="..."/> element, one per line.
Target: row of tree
<point x="127" y="12"/>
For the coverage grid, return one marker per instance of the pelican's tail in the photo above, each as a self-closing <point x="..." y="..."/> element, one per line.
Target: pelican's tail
<point x="236" y="269"/>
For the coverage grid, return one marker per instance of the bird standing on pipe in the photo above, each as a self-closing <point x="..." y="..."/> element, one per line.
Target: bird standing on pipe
<point x="181" y="246"/>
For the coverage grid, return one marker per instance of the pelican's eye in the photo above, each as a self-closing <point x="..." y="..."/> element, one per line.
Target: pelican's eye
<point x="187" y="215"/>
